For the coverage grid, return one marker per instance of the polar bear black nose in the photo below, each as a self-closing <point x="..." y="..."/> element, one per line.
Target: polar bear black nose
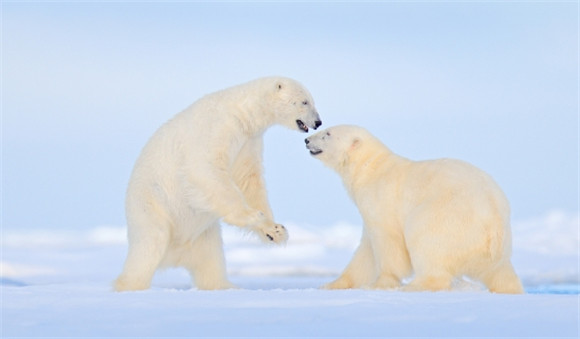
<point x="306" y="141"/>
<point x="317" y="124"/>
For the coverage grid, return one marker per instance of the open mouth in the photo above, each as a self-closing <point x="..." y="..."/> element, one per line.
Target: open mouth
<point x="302" y="126"/>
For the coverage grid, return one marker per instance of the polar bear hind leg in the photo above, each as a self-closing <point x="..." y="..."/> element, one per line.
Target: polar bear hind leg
<point x="503" y="279"/>
<point x="143" y="258"/>
<point x="204" y="259"/>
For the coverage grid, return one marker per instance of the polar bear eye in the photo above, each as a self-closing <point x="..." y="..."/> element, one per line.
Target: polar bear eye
<point x="305" y="102"/>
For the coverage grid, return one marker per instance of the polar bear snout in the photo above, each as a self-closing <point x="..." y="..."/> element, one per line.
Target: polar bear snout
<point x="314" y="150"/>
<point x="317" y="124"/>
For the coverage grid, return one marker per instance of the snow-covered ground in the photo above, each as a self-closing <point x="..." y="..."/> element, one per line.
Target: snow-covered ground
<point x="57" y="284"/>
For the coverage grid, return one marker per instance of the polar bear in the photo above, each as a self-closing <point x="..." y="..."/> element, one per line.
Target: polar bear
<point x="439" y="219"/>
<point x="203" y="166"/>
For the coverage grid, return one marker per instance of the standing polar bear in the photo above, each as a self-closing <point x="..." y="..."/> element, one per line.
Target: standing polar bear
<point x="440" y="219"/>
<point x="202" y="166"/>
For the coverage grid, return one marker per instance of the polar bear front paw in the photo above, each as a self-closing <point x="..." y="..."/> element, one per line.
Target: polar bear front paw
<point x="275" y="233"/>
<point x="386" y="281"/>
<point x="341" y="283"/>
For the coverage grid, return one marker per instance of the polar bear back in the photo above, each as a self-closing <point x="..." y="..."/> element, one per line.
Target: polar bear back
<point x="455" y="189"/>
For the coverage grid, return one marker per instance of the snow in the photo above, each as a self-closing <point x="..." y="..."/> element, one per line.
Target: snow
<point x="58" y="284"/>
<point x="89" y="310"/>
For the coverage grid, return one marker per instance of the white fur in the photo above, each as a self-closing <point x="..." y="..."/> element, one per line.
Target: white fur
<point x="202" y="166"/>
<point x="439" y="219"/>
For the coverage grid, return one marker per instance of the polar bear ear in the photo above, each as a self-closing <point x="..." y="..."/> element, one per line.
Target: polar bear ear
<point x="355" y="143"/>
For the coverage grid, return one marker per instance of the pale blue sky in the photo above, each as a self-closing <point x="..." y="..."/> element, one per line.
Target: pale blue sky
<point x="86" y="84"/>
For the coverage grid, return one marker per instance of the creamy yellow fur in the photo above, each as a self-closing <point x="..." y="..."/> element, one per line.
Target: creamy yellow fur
<point x="203" y="166"/>
<point x="437" y="219"/>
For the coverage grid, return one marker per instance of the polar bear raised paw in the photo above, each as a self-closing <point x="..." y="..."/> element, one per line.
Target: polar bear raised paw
<point x="274" y="233"/>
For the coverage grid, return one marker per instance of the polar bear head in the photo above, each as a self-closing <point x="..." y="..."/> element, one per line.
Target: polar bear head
<point x="293" y="105"/>
<point x="337" y="146"/>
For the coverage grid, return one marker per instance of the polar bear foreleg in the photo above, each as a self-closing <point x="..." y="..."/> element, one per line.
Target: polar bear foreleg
<point x="360" y="272"/>
<point x="255" y="192"/>
<point x="220" y="192"/>
<point x="430" y="282"/>
<point x="228" y="201"/>
<point x="253" y="188"/>
<point x="247" y="174"/>
<point x="392" y="257"/>
<point x="257" y="222"/>
<point x="430" y="274"/>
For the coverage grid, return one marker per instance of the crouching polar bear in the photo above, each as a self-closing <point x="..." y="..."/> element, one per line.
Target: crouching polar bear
<point x="438" y="219"/>
<point x="202" y="166"/>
